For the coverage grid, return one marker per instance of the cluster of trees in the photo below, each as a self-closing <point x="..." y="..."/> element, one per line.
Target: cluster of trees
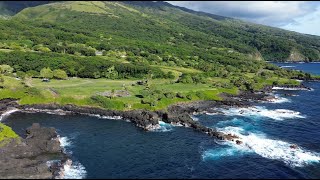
<point x="84" y="67"/>
<point x="57" y="73"/>
<point x="152" y="95"/>
<point x="192" y="78"/>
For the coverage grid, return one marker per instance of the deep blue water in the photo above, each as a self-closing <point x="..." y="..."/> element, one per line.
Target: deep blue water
<point x="312" y="68"/>
<point x="117" y="149"/>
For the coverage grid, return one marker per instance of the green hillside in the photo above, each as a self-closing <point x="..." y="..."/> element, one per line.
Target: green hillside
<point x="154" y="53"/>
<point x="158" y="26"/>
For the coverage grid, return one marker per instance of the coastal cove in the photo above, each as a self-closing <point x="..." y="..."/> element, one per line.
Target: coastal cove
<point x="141" y="90"/>
<point x="117" y="149"/>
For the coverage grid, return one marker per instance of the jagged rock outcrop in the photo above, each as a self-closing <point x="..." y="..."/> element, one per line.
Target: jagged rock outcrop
<point x="27" y="158"/>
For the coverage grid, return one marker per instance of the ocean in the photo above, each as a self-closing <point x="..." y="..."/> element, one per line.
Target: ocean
<point x="106" y="148"/>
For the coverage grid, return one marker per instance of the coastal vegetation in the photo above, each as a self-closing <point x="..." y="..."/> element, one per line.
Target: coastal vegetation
<point x="6" y="135"/>
<point x="133" y="60"/>
<point x="153" y="53"/>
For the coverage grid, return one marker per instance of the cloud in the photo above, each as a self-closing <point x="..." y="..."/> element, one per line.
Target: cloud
<point x="309" y="24"/>
<point x="274" y="13"/>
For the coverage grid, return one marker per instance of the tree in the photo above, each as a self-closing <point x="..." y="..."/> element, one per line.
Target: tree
<point x="96" y="75"/>
<point x="46" y="73"/>
<point x="21" y="74"/>
<point x="1" y="78"/>
<point x="32" y="73"/>
<point x="111" y="73"/>
<point x="60" y="74"/>
<point x="6" y="69"/>
<point x="186" y="78"/>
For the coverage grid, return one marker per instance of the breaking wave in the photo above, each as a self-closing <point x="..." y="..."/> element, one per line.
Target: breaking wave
<point x="291" y="89"/>
<point x="65" y="142"/>
<point x="7" y="113"/>
<point x="278" y="99"/>
<point x="71" y="171"/>
<point x="277" y="114"/>
<point x="164" y="127"/>
<point x="74" y="171"/>
<point x="268" y="148"/>
<point x="102" y="116"/>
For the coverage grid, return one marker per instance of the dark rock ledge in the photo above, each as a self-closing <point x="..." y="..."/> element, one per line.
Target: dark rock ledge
<point x="28" y="157"/>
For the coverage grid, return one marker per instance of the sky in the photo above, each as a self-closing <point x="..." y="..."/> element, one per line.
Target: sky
<point x="299" y="16"/>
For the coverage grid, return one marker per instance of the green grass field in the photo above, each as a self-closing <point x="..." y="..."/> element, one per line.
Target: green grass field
<point x="82" y="91"/>
<point x="79" y="91"/>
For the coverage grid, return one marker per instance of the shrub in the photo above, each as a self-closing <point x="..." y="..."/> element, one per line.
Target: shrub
<point x="189" y="96"/>
<point x="180" y="95"/>
<point x="169" y="95"/>
<point x="107" y="103"/>
<point x="200" y="95"/>
<point x="60" y="74"/>
<point x="32" y="91"/>
<point x="46" y="73"/>
<point x="6" y="69"/>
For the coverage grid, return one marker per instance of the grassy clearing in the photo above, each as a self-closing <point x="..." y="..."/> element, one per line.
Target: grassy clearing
<point x="6" y="135"/>
<point x="80" y="91"/>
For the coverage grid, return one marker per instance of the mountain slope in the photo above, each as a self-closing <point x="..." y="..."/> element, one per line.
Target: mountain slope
<point x="175" y="54"/>
<point x="162" y="26"/>
<point x="13" y="7"/>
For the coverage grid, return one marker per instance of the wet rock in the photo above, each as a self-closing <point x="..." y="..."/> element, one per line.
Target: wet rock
<point x="293" y="146"/>
<point x="238" y="142"/>
<point x="26" y="158"/>
<point x="230" y="137"/>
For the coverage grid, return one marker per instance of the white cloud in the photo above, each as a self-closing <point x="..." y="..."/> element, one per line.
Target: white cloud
<point x="274" y="13"/>
<point x="309" y="24"/>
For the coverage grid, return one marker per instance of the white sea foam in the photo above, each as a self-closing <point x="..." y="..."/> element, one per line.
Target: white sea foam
<point x="195" y="118"/>
<point x="73" y="170"/>
<point x="48" y="111"/>
<point x="267" y="148"/>
<point x="211" y="113"/>
<point x="290" y="89"/>
<point x="64" y="142"/>
<point x="287" y="66"/>
<point x="218" y="153"/>
<point x="278" y="99"/>
<point x="164" y="127"/>
<point x="103" y="117"/>
<point x="277" y="114"/>
<point x="7" y="113"/>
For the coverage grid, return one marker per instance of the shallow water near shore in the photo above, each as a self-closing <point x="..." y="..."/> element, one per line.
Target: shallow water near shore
<point x="103" y="148"/>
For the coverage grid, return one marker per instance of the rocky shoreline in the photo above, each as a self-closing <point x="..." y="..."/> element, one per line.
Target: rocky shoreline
<point x="28" y="157"/>
<point x="178" y="114"/>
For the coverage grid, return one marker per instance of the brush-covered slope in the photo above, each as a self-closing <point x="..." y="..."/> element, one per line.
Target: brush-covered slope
<point x="157" y="26"/>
